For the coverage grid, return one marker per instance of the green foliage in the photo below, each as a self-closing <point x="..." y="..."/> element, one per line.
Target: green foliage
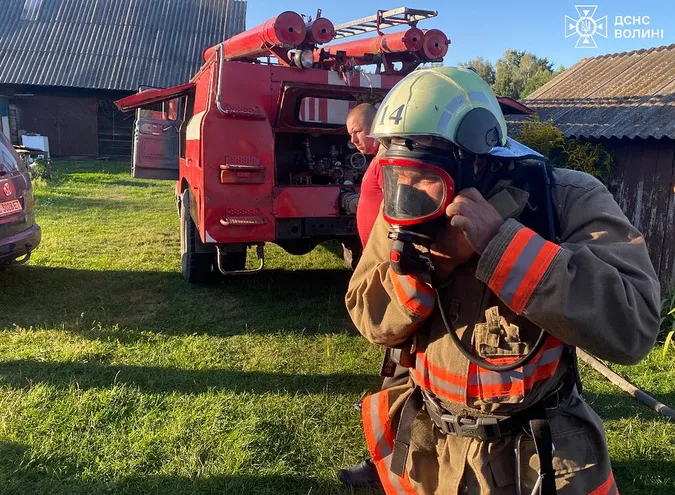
<point x="517" y="74"/>
<point x="575" y="154"/>
<point x="543" y="137"/>
<point x="667" y="327"/>
<point x="483" y="67"/>
<point x="588" y="157"/>
<point x="40" y="169"/>
<point x="666" y="345"/>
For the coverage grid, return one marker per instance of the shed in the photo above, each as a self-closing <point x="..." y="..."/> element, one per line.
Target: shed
<point x="626" y="102"/>
<point x="64" y="62"/>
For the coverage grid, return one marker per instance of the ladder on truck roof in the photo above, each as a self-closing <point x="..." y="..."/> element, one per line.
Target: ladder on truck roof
<point x="382" y="20"/>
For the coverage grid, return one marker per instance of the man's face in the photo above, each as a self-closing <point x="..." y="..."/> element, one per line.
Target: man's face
<point x="358" y="129"/>
<point x="423" y="180"/>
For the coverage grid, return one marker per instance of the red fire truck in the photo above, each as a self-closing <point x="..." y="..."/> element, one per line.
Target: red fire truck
<point x="257" y="139"/>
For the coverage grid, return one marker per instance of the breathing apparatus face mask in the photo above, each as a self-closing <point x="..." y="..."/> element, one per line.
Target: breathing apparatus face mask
<point x="418" y="186"/>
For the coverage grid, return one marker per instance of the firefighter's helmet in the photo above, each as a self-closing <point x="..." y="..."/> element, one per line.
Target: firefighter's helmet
<point x="450" y="103"/>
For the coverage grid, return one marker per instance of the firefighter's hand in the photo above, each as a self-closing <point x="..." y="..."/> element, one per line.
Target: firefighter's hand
<point x="449" y="250"/>
<point x="478" y="219"/>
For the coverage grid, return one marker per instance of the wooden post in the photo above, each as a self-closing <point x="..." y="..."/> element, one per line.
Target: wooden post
<point x="625" y="385"/>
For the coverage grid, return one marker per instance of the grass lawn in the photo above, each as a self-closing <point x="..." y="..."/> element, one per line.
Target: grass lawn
<point x="116" y="376"/>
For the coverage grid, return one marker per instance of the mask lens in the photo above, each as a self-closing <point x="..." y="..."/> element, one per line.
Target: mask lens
<point x="411" y="193"/>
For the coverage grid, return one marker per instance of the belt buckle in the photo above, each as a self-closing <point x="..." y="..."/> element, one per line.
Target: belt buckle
<point x="554" y="394"/>
<point x="480" y="428"/>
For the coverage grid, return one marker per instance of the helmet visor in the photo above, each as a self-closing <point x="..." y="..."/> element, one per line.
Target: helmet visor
<point x="414" y="192"/>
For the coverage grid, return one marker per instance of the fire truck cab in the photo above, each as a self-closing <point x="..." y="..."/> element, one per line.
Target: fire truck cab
<point x="257" y="141"/>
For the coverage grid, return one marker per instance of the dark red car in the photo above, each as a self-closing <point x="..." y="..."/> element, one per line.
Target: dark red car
<point x="19" y="234"/>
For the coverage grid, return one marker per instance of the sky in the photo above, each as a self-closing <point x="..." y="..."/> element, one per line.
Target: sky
<point x="487" y="27"/>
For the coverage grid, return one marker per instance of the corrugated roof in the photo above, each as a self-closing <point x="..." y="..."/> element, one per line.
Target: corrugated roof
<point x="629" y="94"/>
<point x="112" y="44"/>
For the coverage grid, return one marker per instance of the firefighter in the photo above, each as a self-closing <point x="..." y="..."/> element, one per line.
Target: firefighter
<point x="484" y="270"/>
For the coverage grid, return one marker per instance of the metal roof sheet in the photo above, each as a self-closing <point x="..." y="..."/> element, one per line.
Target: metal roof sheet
<point x="628" y="94"/>
<point x="112" y="44"/>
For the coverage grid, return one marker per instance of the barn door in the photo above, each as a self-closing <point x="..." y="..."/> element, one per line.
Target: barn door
<point x="156" y="133"/>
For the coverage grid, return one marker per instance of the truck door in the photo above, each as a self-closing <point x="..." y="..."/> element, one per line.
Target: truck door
<point x="156" y="130"/>
<point x="155" y="147"/>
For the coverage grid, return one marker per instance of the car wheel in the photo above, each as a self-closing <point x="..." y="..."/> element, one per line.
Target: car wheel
<point x="195" y="267"/>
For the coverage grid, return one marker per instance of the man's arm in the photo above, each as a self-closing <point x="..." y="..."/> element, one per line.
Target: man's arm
<point x="386" y="307"/>
<point x="596" y="290"/>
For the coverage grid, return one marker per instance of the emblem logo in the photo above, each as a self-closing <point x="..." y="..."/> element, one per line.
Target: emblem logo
<point x="586" y="26"/>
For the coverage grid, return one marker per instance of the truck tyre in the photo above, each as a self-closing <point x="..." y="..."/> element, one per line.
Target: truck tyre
<point x="195" y="267"/>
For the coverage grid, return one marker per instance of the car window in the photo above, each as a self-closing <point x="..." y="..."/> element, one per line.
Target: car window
<point x="9" y="160"/>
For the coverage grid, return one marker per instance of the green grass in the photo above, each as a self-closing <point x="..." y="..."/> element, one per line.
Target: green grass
<point x="116" y="376"/>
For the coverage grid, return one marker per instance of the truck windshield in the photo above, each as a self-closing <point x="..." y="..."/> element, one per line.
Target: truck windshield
<point x="327" y="111"/>
<point x="164" y="110"/>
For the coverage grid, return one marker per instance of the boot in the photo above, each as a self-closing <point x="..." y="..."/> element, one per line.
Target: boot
<point x="361" y="475"/>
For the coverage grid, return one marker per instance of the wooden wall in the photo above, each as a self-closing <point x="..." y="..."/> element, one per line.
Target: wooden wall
<point x="643" y="183"/>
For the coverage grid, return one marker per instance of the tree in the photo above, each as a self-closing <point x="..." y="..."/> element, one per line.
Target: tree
<point x="483" y="67"/>
<point x="540" y="78"/>
<point x="519" y="73"/>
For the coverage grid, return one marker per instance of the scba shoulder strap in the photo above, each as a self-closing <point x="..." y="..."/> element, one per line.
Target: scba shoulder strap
<point x="537" y="179"/>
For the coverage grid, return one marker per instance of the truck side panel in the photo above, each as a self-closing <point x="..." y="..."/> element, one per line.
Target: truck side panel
<point x="239" y="170"/>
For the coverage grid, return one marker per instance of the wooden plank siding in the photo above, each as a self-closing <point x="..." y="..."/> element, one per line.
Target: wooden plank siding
<point x="643" y="182"/>
<point x="70" y="123"/>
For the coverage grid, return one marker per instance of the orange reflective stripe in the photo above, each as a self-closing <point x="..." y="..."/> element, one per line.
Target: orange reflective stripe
<point x="542" y="372"/>
<point x="369" y="427"/>
<point x="486" y="384"/>
<point x="533" y="276"/>
<point x="504" y="387"/>
<point x="438" y="380"/>
<point x="442" y="373"/>
<point x="607" y="488"/>
<point x="385" y="424"/>
<point x="501" y="361"/>
<point x="509" y="258"/>
<point x="521" y="267"/>
<point x="380" y="440"/>
<point x="414" y="294"/>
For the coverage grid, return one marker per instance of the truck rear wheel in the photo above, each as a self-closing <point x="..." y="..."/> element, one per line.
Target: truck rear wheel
<point x="195" y="267"/>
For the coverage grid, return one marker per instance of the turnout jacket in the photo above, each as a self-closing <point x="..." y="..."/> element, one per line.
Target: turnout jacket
<point x="595" y="289"/>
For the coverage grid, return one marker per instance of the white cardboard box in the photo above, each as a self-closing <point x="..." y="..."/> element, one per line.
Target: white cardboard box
<point x="37" y="142"/>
